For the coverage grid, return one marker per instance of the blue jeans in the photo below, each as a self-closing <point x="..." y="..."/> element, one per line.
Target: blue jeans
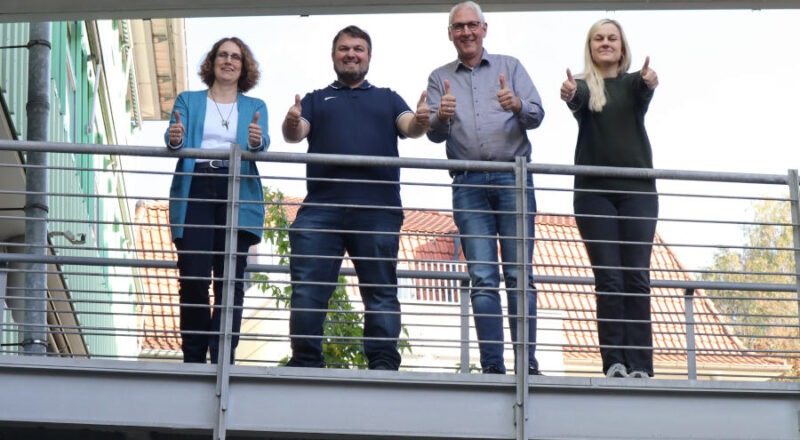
<point x="319" y="238"/>
<point x="485" y="213"/>
<point x="200" y="252"/>
<point x="619" y="243"/>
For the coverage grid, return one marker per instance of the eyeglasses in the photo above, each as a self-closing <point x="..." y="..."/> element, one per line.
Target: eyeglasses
<point x="234" y="57"/>
<point x="461" y="27"/>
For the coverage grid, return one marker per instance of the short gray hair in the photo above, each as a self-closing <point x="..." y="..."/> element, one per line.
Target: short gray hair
<point x="468" y="4"/>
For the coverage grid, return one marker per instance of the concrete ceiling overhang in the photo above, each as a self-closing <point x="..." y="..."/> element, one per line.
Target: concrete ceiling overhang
<point x="33" y="10"/>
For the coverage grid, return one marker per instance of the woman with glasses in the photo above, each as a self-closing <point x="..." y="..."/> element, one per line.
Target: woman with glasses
<point x="616" y="216"/>
<point x="220" y="117"/>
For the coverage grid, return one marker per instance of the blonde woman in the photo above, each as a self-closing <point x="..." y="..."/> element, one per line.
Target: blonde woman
<point x="616" y="216"/>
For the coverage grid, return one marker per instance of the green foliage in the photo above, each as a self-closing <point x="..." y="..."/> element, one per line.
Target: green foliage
<point x="344" y="326"/>
<point x="345" y="349"/>
<point x="763" y="320"/>
<point x="276" y="222"/>
<point x="276" y="234"/>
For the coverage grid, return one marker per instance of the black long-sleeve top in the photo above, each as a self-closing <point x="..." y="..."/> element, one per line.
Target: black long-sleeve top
<point x="615" y="136"/>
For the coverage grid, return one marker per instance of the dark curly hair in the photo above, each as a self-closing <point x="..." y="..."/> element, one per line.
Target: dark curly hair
<point x="250" y="73"/>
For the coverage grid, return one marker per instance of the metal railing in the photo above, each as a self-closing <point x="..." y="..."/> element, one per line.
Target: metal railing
<point x="114" y="295"/>
<point x="112" y="283"/>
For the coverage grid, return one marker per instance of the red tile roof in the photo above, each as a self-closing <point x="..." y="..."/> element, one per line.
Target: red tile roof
<point x="427" y="243"/>
<point x="158" y="312"/>
<point x="560" y="252"/>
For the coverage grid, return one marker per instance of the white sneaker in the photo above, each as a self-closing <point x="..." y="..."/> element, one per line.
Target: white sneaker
<point x="617" y="370"/>
<point x="639" y="374"/>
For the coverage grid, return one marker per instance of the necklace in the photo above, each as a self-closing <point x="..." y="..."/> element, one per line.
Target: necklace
<point x="224" y="121"/>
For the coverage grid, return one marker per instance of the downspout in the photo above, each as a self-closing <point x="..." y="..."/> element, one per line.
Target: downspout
<point x="34" y="329"/>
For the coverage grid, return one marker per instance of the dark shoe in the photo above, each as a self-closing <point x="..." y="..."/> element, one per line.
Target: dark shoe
<point x="533" y="371"/>
<point x="494" y="369"/>
<point x="295" y="363"/>
<point x="383" y="367"/>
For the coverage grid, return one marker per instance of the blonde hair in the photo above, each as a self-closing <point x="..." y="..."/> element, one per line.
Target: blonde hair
<point x="592" y="75"/>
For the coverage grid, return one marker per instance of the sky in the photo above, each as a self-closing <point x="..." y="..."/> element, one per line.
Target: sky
<point x="725" y="101"/>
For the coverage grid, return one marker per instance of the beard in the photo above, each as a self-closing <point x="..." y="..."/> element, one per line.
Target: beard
<point x="350" y="77"/>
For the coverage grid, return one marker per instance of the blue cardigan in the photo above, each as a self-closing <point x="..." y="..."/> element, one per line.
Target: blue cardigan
<point x="192" y="108"/>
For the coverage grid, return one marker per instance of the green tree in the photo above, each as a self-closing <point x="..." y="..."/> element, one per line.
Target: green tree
<point x="765" y="321"/>
<point x="344" y="326"/>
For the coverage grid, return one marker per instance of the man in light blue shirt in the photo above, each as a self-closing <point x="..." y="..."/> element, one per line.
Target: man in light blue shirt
<point x="482" y="106"/>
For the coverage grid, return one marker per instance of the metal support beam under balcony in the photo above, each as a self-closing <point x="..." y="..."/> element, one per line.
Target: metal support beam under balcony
<point x="280" y="402"/>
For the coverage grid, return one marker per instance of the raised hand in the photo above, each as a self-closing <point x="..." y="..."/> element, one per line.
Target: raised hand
<point x="176" y="130"/>
<point x="507" y="98"/>
<point x="423" y="113"/>
<point x="568" y="88"/>
<point x="649" y="75"/>
<point x="254" y="132"/>
<point x="294" y="114"/>
<point x="447" y="107"/>
<point x="294" y="127"/>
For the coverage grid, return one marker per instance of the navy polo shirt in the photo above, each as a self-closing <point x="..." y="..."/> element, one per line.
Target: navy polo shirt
<point x="360" y="121"/>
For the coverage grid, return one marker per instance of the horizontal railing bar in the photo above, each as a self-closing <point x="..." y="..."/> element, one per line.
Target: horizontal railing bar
<point x="457" y="276"/>
<point x="445" y="164"/>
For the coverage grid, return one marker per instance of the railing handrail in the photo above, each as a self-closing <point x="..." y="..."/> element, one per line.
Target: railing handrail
<point x="355" y="160"/>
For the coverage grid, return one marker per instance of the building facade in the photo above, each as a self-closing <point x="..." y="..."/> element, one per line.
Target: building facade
<point x="94" y="99"/>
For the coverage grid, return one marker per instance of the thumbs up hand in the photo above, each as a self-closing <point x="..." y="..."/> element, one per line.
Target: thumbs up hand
<point x="294" y="113"/>
<point x="176" y="130"/>
<point x="254" y="133"/>
<point x="508" y="101"/>
<point x="569" y="88"/>
<point x="423" y="113"/>
<point x="294" y="127"/>
<point x="447" y="106"/>
<point x="649" y="75"/>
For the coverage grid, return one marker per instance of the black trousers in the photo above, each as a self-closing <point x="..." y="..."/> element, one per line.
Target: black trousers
<point x="619" y="243"/>
<point x="201" y="255"/>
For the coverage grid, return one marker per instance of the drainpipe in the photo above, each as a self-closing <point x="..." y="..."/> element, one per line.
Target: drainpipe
<point x="34" y="329"/>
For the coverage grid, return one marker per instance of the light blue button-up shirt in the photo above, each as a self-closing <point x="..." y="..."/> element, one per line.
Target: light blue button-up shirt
<point x="480" y="128"/>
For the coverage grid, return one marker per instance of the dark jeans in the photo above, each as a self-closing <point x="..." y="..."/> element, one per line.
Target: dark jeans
<point x="619" y="243"/>
<point x="319" y="238"/>
<point x="200" y="324"/>
<point x="485" y="212"/>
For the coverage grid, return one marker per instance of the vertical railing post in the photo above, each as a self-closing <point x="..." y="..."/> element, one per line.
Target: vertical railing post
<point x="464" y="305"/>
<point x="794" y="195"/>
<point x="521" y="347"/>
<point x="3" y="296"/>
<point x="463" y="301"/>
<point x="691" y="345"/>
<point x="228" y="293"/>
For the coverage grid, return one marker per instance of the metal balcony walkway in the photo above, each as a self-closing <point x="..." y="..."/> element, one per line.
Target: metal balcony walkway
<point x="49" y="398"/>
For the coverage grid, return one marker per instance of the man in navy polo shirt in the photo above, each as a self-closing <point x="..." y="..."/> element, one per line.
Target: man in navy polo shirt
<point x="346" y="204"/>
